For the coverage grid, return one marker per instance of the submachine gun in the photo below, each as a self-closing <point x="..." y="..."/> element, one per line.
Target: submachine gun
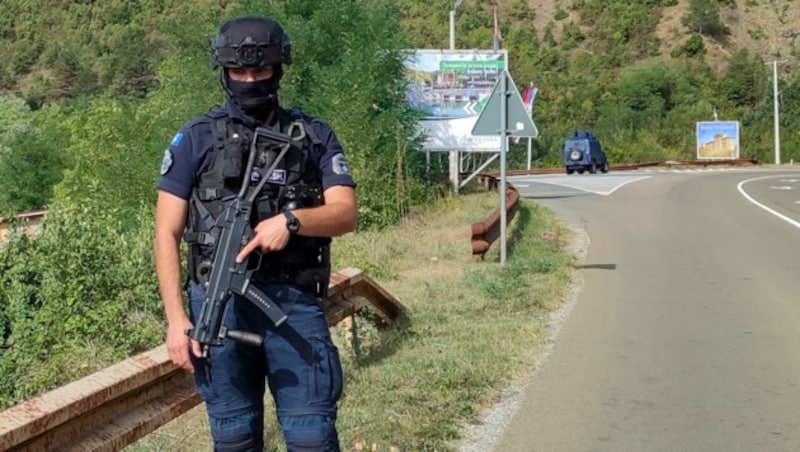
<point x="225" y="276"/>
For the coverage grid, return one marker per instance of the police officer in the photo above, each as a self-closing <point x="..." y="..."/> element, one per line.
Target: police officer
<point x="309" y="198"/>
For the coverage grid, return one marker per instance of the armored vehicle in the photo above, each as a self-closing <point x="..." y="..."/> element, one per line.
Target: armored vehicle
<point x="583" y="152"/>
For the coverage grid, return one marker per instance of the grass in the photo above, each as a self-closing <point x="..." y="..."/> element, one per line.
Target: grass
<point x="471" y="329"/>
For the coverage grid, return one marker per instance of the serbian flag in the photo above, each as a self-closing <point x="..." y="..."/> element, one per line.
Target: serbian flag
<point x="498" y="37"/>
<point x="527" y="98"/>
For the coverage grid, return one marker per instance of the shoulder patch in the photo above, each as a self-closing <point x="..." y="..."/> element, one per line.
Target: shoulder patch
<point x="339" y="164"/>
<point x="177" y="140"/>
<point x="166" y="162"/>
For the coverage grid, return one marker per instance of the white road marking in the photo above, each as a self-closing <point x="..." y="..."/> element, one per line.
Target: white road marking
<point x="603" y="185"/>
<point x="783" y="217"/>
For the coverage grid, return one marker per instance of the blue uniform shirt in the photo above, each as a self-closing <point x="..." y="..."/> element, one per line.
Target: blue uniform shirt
<point x="189" y="154"/>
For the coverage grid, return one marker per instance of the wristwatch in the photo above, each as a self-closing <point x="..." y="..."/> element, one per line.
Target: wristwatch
<point x="292" y="223"/>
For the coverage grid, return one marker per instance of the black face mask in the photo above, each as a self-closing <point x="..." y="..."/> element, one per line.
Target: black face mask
<point x="257" y="99"/>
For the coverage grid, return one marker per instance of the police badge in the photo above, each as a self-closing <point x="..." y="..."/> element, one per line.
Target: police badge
<point x="340" y="165"/>
<point x="166" y="162"/>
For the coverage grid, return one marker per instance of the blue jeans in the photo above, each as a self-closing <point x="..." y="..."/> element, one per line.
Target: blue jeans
<point x="299" y="361"/>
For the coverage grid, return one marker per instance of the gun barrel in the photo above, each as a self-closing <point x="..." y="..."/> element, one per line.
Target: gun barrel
<point x="245" y="337"/>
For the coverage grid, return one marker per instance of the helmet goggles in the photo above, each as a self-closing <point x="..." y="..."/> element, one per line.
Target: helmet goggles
<point x="248" y="54"/>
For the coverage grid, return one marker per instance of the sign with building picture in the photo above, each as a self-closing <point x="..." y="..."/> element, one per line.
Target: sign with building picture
<point x="717" y="140"/>
<point x="450" y="88"/>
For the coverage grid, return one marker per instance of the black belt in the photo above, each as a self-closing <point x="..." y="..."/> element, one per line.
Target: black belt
<point x="312" y="279"/>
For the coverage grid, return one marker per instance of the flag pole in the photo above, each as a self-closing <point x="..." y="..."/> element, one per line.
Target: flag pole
<point x="530" y="111"/>
<point x="529" y="153"/>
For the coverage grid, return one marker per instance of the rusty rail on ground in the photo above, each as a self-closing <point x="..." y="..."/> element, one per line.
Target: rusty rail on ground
<point x="485" y="232"/>
<point x="113" y="408"/>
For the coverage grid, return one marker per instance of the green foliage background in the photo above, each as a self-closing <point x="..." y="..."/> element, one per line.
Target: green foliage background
<point x="83" y="295"/>
<point x="92" y="92"/>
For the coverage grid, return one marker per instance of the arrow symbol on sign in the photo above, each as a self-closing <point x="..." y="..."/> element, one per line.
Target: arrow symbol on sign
<point x="470" y="108"/>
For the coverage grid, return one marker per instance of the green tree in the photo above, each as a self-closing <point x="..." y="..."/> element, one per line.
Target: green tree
<point x="573" y="36"/>
<point x="622" y="31"/>
<point x="740" y="83"/>
<point x="30" y="162"/>
<point x="648" y="88"/>
<point x="109" y="165"/>
<point x="694" y="46"/>
<point x="28" y="172"/>
<point x="703" y="17"/>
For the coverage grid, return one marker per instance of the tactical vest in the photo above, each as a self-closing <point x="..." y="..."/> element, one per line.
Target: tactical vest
<point x="295" y="182"/>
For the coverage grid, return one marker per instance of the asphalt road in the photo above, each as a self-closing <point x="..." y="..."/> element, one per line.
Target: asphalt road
<point x="685" y="334"/>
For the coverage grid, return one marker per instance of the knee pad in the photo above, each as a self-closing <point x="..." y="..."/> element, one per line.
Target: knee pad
<point x="244" y="444"/>
<point x="310" y="433"/>
<point x="241" y="433"/>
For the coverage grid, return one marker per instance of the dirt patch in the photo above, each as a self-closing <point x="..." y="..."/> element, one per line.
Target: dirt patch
<point x="766" y="28"/>
<point x="545" y="12"/>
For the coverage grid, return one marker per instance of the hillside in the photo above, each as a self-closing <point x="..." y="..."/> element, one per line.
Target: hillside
<point x="767" y="28"/>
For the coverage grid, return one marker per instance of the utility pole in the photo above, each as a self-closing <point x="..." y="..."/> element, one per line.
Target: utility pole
<point x="453" y="24"/>
<point x="776" y="114"/>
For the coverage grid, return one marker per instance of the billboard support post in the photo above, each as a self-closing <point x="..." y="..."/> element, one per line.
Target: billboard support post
<point x="530" y="149"/>
<point x="453" y="155"/>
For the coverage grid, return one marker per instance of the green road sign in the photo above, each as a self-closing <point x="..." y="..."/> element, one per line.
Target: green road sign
<point x="505" y="96"/>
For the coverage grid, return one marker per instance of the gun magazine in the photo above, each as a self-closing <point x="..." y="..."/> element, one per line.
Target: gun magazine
<point x="265" y="304"/>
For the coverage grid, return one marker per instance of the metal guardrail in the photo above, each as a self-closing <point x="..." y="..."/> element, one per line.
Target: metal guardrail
<point x="114" y="407"/>
<point x="485" y="232"/>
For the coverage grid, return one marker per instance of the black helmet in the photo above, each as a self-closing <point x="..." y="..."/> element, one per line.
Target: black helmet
<point x="250" y="42"/>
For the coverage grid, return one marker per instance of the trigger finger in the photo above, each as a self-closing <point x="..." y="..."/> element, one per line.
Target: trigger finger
<point x="246" y="250"/>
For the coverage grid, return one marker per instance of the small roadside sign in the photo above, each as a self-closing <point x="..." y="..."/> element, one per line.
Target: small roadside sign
<point x="505" y="105"/>
<point x="504" y="115"/>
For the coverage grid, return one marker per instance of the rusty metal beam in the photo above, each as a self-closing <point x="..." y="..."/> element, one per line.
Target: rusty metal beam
<point x="485" y="232"/>
<point x="113" y="408"/>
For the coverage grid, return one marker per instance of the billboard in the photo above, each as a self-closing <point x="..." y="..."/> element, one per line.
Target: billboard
<point x="718" y="140"/>
<point x="451" y="88"/>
